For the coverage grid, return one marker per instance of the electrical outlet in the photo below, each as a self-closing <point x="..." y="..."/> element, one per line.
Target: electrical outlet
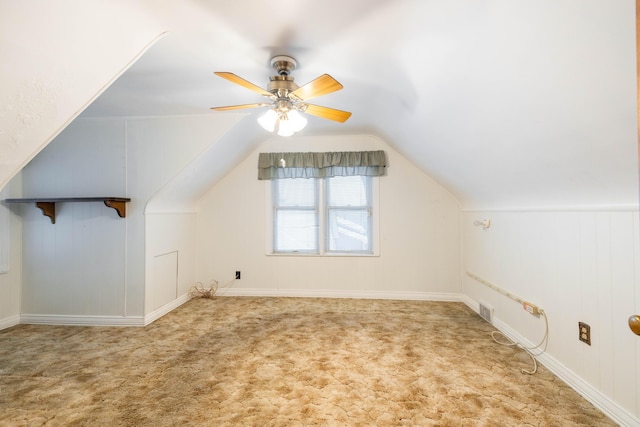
<point x="237" y="275"/>
<point x="584" y="332"/>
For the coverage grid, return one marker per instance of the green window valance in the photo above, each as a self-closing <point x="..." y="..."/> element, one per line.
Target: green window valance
<point x="321" y="165"/>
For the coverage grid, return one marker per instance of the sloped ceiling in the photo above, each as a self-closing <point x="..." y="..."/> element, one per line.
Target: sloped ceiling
<point x="56" y="58"/>
<point x="508" y="104"/>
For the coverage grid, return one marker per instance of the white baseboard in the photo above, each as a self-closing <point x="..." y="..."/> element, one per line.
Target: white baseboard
<point x="586" y="390"/>
<point x="475" y="306"/>
<point x="158" y="313"/>
<point x="8" y="322"/>
<point x="77" y="320"/>
<point x="332" y="293"/>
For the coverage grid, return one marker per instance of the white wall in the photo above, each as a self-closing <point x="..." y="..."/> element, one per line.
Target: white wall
<point x="11" y="278"/>
<point x="91" y="262"/>
<point x="419" y="234"/>
<point x="577" y="266"/>
<point x="62" y="56"/>
<point x="158" y="150"/>
<point x="170" y="258"/>
<point x="77" y="266"/>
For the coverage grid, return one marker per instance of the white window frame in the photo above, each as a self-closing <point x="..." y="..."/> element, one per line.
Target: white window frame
<point x="322" y="223"/>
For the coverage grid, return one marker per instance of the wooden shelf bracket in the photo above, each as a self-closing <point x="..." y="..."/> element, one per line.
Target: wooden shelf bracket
<point x="48" y="209"/>
<point x="119" y="205"/>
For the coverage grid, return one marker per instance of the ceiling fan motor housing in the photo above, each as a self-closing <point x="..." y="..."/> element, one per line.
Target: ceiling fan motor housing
<point x="283" y="64"/>
<point x="280" y="86"/>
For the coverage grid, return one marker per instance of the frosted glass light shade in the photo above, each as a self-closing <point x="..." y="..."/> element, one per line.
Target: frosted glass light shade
<point x="268" y="120"/>
<point x="284" y="123"/>
<point x="285" y="127"/>
<point x="297" y="121"/>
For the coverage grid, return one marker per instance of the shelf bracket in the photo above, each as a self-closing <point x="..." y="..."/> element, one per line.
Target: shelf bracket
<point x="48" y="209"/>
<point x="118" y="205"/>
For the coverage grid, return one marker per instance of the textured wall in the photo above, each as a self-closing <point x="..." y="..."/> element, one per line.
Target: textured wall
<point x="62" y="56"/>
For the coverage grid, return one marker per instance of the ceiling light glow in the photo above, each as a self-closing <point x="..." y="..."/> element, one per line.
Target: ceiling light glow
<point x="282" y="120"/>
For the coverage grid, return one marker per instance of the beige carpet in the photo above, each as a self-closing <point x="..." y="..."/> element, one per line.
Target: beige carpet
<point x="282" y="362"/>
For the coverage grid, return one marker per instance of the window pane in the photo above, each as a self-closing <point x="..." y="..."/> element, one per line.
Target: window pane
<point x="349" y="230"/>
<point x="348" y="191"/>
<point x="296" y="230"/>
<point x="295" y="192"/>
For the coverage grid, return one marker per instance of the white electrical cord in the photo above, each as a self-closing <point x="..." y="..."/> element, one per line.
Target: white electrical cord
<point x="526" y="305"/>
<point x="542" y="346"/>
<point x="227" y="285"/>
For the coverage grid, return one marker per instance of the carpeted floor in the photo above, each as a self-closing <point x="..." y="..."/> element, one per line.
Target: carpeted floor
<point x="233" y="361"/>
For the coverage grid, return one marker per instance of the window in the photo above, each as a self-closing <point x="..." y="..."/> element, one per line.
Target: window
<point x="332" y="216"/>
<point x="322" y="203"/>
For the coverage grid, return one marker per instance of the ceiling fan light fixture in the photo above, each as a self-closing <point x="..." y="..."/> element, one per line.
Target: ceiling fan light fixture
<point x="288" y="99"/>
<point x="283" y="122"/>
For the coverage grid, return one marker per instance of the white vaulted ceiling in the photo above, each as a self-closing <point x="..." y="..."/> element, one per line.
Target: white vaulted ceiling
<point x="506" y="103"/>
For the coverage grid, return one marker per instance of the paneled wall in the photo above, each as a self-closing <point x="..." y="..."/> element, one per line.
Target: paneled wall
<point x="579" y="266"/>
<point x="92" y="263"/>
<point x="11" y="275"/>
<point x="77" y="266"/>
<point x="419" y="234"/>
<point x="170" y="258"/>
<point x="158" y="150"/>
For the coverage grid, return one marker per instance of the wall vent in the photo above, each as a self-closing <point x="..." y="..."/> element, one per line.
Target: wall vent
<point x="486" y="312"/>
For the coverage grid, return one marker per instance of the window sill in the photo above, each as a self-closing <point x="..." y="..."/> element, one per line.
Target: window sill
<point x="324" y="255"/>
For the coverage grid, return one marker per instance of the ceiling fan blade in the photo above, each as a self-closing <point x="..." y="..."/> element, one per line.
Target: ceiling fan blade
<point x="238" y="107"/>
<point x="321" y="86"/>
<point x="242" y="82"/>
<point x="327" y="113"/>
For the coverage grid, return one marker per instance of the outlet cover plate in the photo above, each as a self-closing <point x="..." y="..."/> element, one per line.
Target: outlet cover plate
<point x="584" y="333"/>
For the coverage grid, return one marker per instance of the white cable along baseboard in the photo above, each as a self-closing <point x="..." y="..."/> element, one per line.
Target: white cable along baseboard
<point x="586" y="390"/>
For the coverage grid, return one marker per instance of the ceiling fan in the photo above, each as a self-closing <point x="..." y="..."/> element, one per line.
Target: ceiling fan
<point x="287" y="99"/>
